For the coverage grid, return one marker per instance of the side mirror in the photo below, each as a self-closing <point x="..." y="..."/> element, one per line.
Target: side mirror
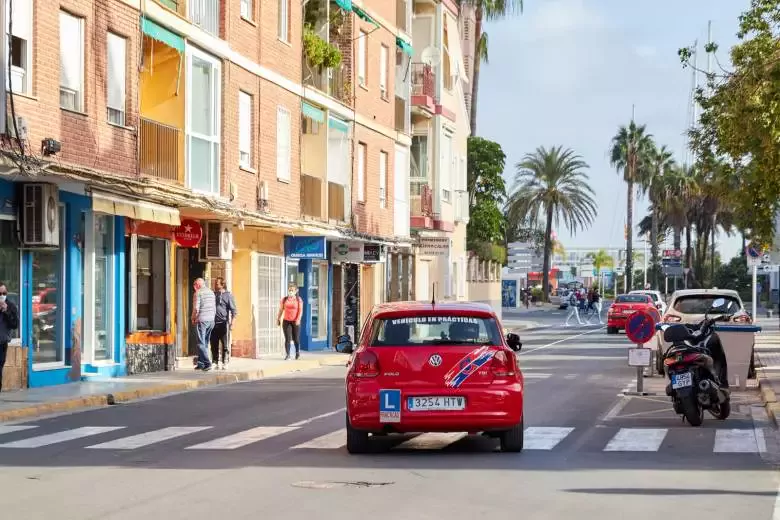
<point x="344" y="344"/>
<point x="513" y="340"/>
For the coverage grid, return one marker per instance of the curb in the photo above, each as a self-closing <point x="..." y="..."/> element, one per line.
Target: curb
<point x="768" y="396"/>
<point x="126" y="396"/>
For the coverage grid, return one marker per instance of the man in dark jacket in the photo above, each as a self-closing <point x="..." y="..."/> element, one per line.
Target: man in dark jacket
<point x="9" y="321"/>
<point x="223" y="323"/>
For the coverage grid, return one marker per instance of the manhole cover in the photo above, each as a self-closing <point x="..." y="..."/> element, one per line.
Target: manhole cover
<point x="330" y="484"/>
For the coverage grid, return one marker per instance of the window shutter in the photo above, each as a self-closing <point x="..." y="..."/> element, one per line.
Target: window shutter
<point x="245" y="122"/>
<point x="117" y="67"/>
<point x="22" y="19"/>
<point x="71" y="44"/>
<point x="283" y="142"/>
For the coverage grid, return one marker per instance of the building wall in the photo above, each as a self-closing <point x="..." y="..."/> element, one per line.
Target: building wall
<point x="87" y="138"/>
<point x="370" y="217"/>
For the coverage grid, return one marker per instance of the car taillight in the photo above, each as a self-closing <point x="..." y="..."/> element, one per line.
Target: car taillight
<point x="503" y="365"/>
<point x="671" y="318"/>
<point x="744" y="318"/>
<point x="366" y="365"/>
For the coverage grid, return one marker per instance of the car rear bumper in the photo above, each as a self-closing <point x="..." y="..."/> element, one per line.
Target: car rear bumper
<point x="487" y="408"/>
<point x="617" y="322"/>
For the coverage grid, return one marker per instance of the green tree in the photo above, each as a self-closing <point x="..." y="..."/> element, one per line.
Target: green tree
<point x="490" y="10"/>
<point x="740" y="119"/>
<point x="631" y="153"/>
<point x="487" y="193"/>
<point x="661" y="162"/>
<point x="734" y="275"/>
<point x="551" y="186"/>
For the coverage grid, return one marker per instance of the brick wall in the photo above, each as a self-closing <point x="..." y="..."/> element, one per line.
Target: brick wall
<point x="87" y="138"/>
<point x="370" y="217"/>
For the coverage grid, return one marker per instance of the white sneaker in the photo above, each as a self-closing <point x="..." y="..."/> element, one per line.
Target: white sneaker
<point x="216" y="365"/>
<point x="224" y="366"/>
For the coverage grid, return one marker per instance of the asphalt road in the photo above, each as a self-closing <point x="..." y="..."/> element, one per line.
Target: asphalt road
<point x="274" y="449"/>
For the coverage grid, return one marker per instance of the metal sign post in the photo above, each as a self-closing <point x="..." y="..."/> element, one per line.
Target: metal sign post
<point x="640" y="329"/>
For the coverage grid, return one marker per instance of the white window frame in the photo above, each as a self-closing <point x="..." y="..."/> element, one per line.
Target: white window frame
<point x="214" y="140"/>
<point x="80" y="73"/>
<point x="120" y="111"/>
<point x="25" y="34"/>
<point x="384" y="53"/>
<point x="283" y="21"/>
<point x="90" y="286"/>
<point x="446" y="172"/>
<point x="362" y="58"/>
<point x="383" y="162"/>
<point x="283" y="157"/>
<point x="247" y="9"/>
<point x="361" y="173"/>
<point x="245" y="103"/>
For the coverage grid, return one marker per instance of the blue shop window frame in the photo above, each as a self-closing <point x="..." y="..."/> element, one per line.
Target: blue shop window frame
<point x="118" y="367"/>
<point x="305" y="266"/>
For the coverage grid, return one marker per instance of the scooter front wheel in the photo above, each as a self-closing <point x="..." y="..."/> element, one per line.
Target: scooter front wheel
<point x="693" y="411"/>
<point x="722" y="411"/>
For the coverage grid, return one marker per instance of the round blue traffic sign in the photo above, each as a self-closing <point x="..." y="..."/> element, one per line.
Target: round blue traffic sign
<point x="640" y="327"/>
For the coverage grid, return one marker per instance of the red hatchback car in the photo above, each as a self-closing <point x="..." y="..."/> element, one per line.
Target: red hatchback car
<point x="624" y="306"/>
<point x="433" y="367"/>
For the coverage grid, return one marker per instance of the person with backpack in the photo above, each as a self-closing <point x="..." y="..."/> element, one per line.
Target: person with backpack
<point x="289" y="318"/>
<point x="9" y="321"/>
<point x="574" y="311"/>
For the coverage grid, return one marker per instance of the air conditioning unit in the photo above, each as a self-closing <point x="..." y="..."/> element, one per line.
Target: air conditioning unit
<point x="40" y="215"/>
<point x="219" y="241"/>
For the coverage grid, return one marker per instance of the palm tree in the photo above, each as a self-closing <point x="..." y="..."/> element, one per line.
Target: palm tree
<point x="552" y="185"/>
<point x="601" y="259"/>
<point x="631" y="149"/>
<point x="662" y="161"/>
<point x="490" y="10"/>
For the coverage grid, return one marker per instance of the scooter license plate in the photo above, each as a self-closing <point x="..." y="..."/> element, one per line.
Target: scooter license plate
<point x="682" y="380"/>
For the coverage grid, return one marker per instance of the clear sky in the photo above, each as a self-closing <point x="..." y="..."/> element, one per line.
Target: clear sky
<point x="566" y="72"/>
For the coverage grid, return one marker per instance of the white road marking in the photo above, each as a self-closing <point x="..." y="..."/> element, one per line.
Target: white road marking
<point x="241" y="439"/>
<point x="145" y="439"/>
<point x="559" y="341"/>
<point x="54" y="438"/>
<point x="615" y="410"/>
<point x="430" y="441"/>
<point x="595" y="377"/>
<point x="321" y="416"/>
<point x="535" y="375"/>
<point x="330" y="441"/>
<point x="570" y="376"/>
<point x="12" y="429"/>
<point x="544" y="438"/>
<point x="738" y="441"/>
<point x="637" y="439"/>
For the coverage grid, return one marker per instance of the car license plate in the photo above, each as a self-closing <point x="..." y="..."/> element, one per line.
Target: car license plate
<point x="432" y="403"/>
<point x="682" y="380"/>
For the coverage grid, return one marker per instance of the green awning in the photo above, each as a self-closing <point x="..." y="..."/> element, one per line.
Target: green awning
<point x="345" y="4"/>
<point x="401" y="43"/>
<point x="362" y="14"/>
<point x="161" y="34"/>
<point x="338" y="124"/>
<point x="313" y="112"/>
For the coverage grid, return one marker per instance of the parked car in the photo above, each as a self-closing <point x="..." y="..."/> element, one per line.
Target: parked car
<point x="624" y="306"/>
<point x="658" y="299"/>
<point x="688" y="306"/>
<point x="423" y="367"/>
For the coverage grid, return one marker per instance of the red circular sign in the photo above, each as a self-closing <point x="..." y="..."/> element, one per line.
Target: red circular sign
<point x="189" y="233"/>
<point x="640" y="327"/>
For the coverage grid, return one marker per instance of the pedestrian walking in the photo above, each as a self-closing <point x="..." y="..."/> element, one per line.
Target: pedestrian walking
<point x="224" y="317"/>
<point x="595" y="301"/>
<point x="204" y="309"/>
<point x="9" y="321"/>
<point x="574" y="311"/>
<point x="289" y="317"/>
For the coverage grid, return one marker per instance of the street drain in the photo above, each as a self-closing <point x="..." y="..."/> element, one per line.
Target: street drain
<point x="330" y="484"/>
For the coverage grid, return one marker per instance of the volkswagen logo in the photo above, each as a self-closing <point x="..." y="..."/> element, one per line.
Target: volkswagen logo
<point x="435" y="360"/>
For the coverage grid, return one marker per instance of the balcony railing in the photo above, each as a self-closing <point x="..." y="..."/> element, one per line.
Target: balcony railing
<point x="423" y="80"/>
<point x="311" y="196"/>
<point x="205" y="14"/>
<point x="336" y="203"/>
<point x="422" y="204"/>
<point x="402" y="123"/>
<point x="159" y="150"/>
<point x="339" y="86"/>
<point x="175" y="5"/>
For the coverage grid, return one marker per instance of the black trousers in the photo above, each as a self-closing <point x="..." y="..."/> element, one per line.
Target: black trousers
<point x="292" y="332"/>
<point x="3" y="352"/>
<point x="219" y="334"/>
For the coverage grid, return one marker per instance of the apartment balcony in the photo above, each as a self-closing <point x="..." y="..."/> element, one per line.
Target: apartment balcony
<point x="423" y="87"/>
<point x="339" y="86"/>
<point x="160" y="153"/>
<point x="403" y="121"/>
<point x="203" y="13"/>
<point x="337" y="201"/>
<point x="311" y="197"/>
<point x="403" y="15"/>
<point x="327" y="26"/>
<point x="421" y="207"/>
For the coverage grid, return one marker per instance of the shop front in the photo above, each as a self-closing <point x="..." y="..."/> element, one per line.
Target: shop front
<point x="307" y="266"/>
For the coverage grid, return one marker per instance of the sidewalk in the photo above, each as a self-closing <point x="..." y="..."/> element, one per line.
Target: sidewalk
<point x="33" y="402"/>
<point x="768" y="365"/>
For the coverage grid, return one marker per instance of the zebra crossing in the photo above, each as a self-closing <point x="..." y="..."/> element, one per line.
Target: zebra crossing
<point x="537" y="438"/>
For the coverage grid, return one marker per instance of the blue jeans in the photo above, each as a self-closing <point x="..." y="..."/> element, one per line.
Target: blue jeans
<point x="204" y="329"/>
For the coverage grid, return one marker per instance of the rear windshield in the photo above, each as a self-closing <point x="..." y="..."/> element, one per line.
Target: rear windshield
<point x="435" y="330"/>
<point x="631" y="298"/>
<point x="702" y="303"/>
<point x="652" y="296"/>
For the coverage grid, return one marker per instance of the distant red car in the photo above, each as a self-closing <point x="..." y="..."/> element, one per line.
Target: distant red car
<point x="624" y="306"/>
<point x="423" y="367"/>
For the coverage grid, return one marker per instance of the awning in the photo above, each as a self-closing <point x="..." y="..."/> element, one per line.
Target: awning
<point x="363" y="15"/>
<point x="161" y="34"/>
<point x="338" y="124"/>
<point x="135" y="209"/>
<point x="313" y="112"/>
<point x="345" y="4"/>
<point x="454" y="49"/>
<point x="401" y="43"/>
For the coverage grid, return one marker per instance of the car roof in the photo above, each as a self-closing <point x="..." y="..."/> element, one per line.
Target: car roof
<point x="412" y="308"/>
<point x="706" y="292"/>
<point x="629" y="294"/>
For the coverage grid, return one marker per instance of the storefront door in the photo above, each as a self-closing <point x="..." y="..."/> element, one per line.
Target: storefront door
<point x="268" y="274"/>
